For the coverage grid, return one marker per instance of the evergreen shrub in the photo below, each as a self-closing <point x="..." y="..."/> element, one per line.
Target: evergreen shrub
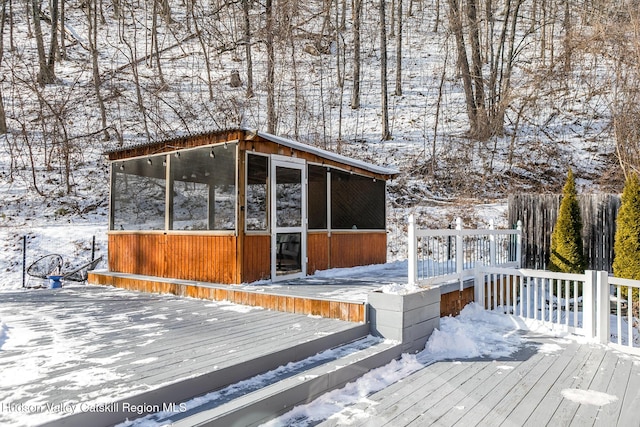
<point x="567" y="255"/>
<point x="626" y="263"/>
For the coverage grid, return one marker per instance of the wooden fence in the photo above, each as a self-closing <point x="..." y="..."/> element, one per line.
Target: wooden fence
<point x="538" y="213"/>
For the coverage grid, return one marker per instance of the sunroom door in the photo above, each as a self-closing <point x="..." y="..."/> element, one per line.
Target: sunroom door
<point x="288" y="219"/>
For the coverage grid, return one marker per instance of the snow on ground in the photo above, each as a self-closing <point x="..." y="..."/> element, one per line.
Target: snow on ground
<point x="72" y="241"/>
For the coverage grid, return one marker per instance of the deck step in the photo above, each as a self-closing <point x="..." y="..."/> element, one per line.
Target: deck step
<point x="185" y="389"/>
<point x="268" y="402"/>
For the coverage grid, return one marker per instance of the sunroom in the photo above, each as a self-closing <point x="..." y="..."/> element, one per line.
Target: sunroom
<point x="236" y="206"/>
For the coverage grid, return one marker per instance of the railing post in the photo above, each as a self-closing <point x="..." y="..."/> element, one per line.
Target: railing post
<point x="519" y="244"/>
<point x="603" y="306"/>
<point x="459" y="252"/>
<point x="412" y="256"/>
<point x="492" y="244"/>
<point x="478" y="285"/>
<point x="588" y="303"/>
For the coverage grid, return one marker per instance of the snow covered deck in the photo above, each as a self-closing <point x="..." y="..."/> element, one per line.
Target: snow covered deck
<point x="337" y="293"/>
<point x="548" y="381"/>
<point x="82" y="348"/>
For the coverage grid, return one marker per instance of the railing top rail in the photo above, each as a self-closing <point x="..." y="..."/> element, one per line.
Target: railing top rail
<point x="526" y="272"/>
<point x="466" y="232"/>
<point x="624" y="282"/>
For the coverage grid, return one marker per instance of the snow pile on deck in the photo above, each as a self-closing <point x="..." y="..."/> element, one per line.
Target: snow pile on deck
<point x="474" y="333"/>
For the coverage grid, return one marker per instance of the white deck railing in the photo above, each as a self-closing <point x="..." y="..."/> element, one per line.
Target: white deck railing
<point x="588" y="304"/>
<point x="437" y="256"/>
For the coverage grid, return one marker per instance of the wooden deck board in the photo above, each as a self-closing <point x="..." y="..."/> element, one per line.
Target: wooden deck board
<point x="397" y="397"/>
<point x="608" y="414"/>
<point x="526" y="391"/>
<point x="587" y="414"/>
<point x="503" y="409"/>
<point x="550" y="399"/>
<point x="631" y="401"/>
<point x="140" y="340"/>
<point x="478" y="403"/>
<point x="411" y="406"/>
<point x="455" y="399"/>
<point x="566" y="408"/>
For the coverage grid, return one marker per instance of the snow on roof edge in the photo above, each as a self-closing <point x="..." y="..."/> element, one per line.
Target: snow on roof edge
<point x="324" y="153"/>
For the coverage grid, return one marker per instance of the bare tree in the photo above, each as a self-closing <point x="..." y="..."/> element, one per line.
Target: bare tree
<point x="399" y="51"/>
<point x="247" y="46"/>
<point x="92" y="19"/>
<point x="355" y="93"/>
<point x="486" y="98"/>
<point x="3" y="116"/>
<point x="271" y="106"/>
<point x="622" y="44"/>
<point x="46" y="74"/>
<point x="134" y="70"/>
<point x="154" y="41"/>
<point x="386" y="133"/>
<point x="203" y="46"/>
<point x="53" y="44"/>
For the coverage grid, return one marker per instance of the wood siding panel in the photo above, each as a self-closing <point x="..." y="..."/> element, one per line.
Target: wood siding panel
<point x="349" y="311"/>
<point x="189" y="257"/>
<point x="453" y="302"/>
<point x="353" y="249"/>
<point x="317" y="251"/>
<point x="256" y="263"/>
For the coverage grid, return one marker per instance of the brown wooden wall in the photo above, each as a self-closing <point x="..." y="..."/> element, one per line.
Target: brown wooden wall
<point x="191" y="257"/>
<point x="453" y="302"/>
<point x="362" y="248"/>
<point x="256" y="262"/>
<point x="317" y="251"/>
<point x="349" y="311"/>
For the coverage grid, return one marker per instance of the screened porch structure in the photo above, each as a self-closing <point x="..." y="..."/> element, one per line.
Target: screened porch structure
<point x="236" y="206"/>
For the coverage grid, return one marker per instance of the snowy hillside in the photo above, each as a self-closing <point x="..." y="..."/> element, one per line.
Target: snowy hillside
<point x="167" y="68"/>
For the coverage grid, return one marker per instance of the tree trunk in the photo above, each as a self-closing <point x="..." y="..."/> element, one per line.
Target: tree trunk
<point x="386" y="133"/>
<point x="463" y="62"/>
<point x="355" y="94"/>
<point x="399" y="51"/>
<point x="481" y="126"/>
<point x="154" y="42"/>
<point x="203" y="46"/>
<point x="136" y="78"/>
<point x="271" y="104"/>
<point x="247" y="41"/>
<point x="392" y="21"/>
<point x="3" y="116"/>
<point x="505" y="79"/>
<point x="63" y="46"/>
<point x="53" y="45"/>
<point x="567" y="37"/>
<point x="12" y="46"/>
<point x="44" y="77"/>
<point x="92" y="18"/>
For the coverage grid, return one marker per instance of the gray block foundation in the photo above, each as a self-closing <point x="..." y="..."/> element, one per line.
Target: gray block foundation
<point x="409" y="319"/>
